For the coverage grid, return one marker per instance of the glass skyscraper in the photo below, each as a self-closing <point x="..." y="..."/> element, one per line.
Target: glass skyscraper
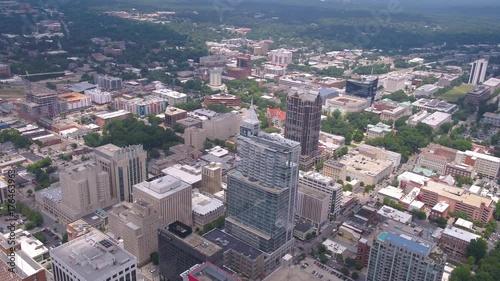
<point x="261" y="192"/>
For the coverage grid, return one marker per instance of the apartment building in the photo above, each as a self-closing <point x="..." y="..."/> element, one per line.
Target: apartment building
<point x="195" y="137"/>
<point x="136" y="223"/>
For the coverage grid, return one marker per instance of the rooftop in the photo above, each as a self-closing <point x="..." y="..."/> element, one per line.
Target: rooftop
<point x="162" y="186"/>
<point x="25" y="266"/>
<point x="457" y="194"/>
<point x="394" y="214"/>
<point x="391" y="191"/>
<point x="407" y="242"/>
<point x="113" y="114"/>
<point x="464" y="223"/>
<point x="228" y="242"/>
<point x="73" y="96"/>
<point x="92" y="255"/>
<point x="185" y="173"/>
<point x="460" y="233"/>
<point x="436" y="118"/>
<point x="203" y="204"/>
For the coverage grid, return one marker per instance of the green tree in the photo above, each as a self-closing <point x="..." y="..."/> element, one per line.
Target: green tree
<point x="355" y="275"/>
<point x="358" y="136"/>
<point x="178" y="128"/>
<point x="477" y="248"/>
<point x="345" y="271"/>
<point x="461" y="273"/>
<point x="154" y="258"/>
<point x="154" y="153"/>
<point x="64" y="238"/>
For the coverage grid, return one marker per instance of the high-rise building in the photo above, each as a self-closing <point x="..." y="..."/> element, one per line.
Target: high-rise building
<point x="395" y="83"/>
<point x="215" y="77"/>
<point x="312" y="205"/>
<point x="93" y="257"/>
<point x="367" y="88"/>
<point x="326" y="185"/>
<point x="85" y="188"/>
<point x="167" y="195"/>
<point x="40" y="102"/>
<point x="180" y="249"/>
<point x="211" y="178"/>
<point x="400" y="257"/>
<point x="136" y="223"/>
<point x="126" y="167"/>
<point x="281" y="56"/>
<point x="222" y="126"/>
<point x="261" y="192"/>
<point x="478" y="72"/>
<point x="303" y="122"/>
<point x="195" y="137"/>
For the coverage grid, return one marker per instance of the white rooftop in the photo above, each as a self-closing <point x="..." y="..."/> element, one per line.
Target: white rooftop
<point x="185" y="173"/>
<point x="162" y="187"/>
<point x="394" y="214"/>
<point x="441" y="207"/>
<point x="460" y="233"/>
<point x="203" y="204"/>
<point x="416" y="178"/>
<point x="436" y="118"/>
<point x="113" y="114"/>
<point x="410" y="197"/>
<point x="474" y="189"/>
<point x="391" y="191"/>
<point x="335" y="247"/>
<point x="464" y="223"/>
<point x="218" y="151"/>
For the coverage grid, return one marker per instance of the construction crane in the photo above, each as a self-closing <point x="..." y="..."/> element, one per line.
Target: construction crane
<point x="28" y="82"/>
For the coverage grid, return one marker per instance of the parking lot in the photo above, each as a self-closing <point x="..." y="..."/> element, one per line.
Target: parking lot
<point x="51" y="239"/>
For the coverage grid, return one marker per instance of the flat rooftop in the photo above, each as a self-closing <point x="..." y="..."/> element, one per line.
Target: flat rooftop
<point x="460" y="233"/>
<point x="113" y="114"/>
<point x="226" y="242"/>
<point x="162" y="186"/>
<point x="25" y="266"/>
<point x="203" y="204"/>
<point x="73" y="96"/>
<point x="363" y="164"/>
<point x="457" y="194"/>
<point x="92" y="255"/>
<point x="405" y="242"/>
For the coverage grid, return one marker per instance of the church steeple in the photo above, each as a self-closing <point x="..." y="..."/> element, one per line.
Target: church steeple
<point x="251" y="123"/>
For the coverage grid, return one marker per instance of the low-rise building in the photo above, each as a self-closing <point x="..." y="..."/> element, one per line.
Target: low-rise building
<point x="74" y="101"/>
<point x="334" y="169"/>
<point x="435" y="157"/>
<point x="173" y="115"/>
<point x="365" y="169"/>
<point x="391" y="192"/>
<point x="493" y="84"/>
<point x="491" y="118"/>
<point x="276" y="116"/>
<point x="389" y="110"/>
<point x="454" y="242"/>
<point x="21" y="268"/>
<point x="105" y="118"/>
<point x="437" y="119"/>
<point x="99" y="97"/>
<point x="205" y="210"/>
<point x="478" y="95"/>
<point x="485" y="165"/>
<point x="426" y="90"/>
<point x="222" y="99"/>
<point x="378" y="130"/>
<point x="432" y="105"/>
<point x="393" y="214"/>
<point x="171" y="96"/>
<point x="346" y="104"/>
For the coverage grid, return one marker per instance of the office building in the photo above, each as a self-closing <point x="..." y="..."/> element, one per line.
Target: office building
<point x="173" y="114"/>
<point x="190" y="122"/>
<point x="478" y="72"/>
<point x="180" y="249"/>
<point x="211" y="178"/>
<point x="205" y="210"/>
<point x="367" y="88"/>
<point x="434" y="194"/>
<point x="261" y="192"/>
<point x="437" y="119"/>
<point x="126" y="166"/>
<point x="93" y="257"/>
<point x="479" y="95"/>
<point x="195" y="137"/>
<point x="486" y="165"/>
<point x="324" y="184"/>
<point x="313" y="206"/>
<point x="347" y="104"/>
<point x="168" y="196"/>
<point x="173" y="97"/>
<point x="207" y="272"/>
<point x="78" y="228"/>
<point x="136" y="223"/>
<point x="395" y="83"/>
<point x="190" y="174"/>
<point x="215" y="77"/>
<point x="454" y="242"/>
<point x="493" y="84"/>
<point x="435" y="157"/>
<point x="281" y="57"/>
<point x="400" y="257"/>
<point x="85" y="188"/>
<point x="238" y="255"/>
<point x="435" y="105"/>
<point x="366" y="169"/>
<point x="222" y="126"/>
<point x="303" y="122"/>
<point x="106" y="82"/>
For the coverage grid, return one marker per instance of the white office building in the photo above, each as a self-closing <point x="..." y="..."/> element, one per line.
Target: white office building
<point x="478" y="72"/>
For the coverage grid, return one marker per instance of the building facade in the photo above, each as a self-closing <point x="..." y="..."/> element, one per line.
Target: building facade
<point x="136" y="223"/>
<point x="324" y="184"/>
<point x="367" y="88"/>
<point x="313" y="206"/>
<point x="195" y="137"/>
<point x="211" y="178"/>
<point x="126" y="167"/>
<point x="478" y="72"/>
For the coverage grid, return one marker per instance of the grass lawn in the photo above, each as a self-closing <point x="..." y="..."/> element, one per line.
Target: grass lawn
<point x="457" y="92"/>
